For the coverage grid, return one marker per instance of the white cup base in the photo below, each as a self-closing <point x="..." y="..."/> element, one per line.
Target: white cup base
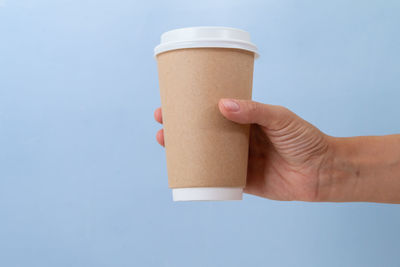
<point x="207" y="193"/>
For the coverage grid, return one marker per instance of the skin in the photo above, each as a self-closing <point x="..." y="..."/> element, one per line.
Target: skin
<point x="290" y="159"/>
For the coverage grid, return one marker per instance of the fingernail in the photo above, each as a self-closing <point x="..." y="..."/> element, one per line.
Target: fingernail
<point x="230" y="105"/>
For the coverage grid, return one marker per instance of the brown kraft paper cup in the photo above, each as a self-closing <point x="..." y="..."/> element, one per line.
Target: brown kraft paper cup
<point x="203" y="148"/>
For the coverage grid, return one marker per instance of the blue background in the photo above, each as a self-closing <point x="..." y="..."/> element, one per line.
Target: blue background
<point x="83" y="181"/>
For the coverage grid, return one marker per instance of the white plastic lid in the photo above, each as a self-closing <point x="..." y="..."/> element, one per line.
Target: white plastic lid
<point x="196" y="37"/>
<point x="207" y="193"/>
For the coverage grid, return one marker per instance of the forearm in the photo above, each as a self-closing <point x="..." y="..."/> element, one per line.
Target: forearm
<point x="362" y="169"/>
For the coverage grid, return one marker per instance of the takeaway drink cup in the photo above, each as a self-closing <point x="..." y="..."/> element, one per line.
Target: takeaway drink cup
<point x="206" y="153"/>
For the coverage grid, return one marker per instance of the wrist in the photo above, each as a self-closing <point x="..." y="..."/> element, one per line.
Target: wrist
<point x="339" y="172"/>
<point x="361" y="169"/>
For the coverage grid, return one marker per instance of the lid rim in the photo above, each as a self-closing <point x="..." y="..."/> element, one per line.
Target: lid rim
<point x="209" y="36"/>
<point x="206" y="43"/>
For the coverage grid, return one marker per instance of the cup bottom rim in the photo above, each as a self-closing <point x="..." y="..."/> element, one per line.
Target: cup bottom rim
<point x="207" y="193"/>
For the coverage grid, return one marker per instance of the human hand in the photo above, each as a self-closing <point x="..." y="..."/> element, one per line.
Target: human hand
<point x="286" y="153"/>
<point x="290" y="159"/>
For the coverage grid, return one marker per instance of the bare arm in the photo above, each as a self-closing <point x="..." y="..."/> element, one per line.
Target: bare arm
<point x="365" y="168"/>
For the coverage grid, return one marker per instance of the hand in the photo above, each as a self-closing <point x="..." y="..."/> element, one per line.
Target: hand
<point x="286" y="153"/>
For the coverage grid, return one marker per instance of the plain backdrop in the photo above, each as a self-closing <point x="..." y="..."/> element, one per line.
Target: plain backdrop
<point x="83" y="181"/>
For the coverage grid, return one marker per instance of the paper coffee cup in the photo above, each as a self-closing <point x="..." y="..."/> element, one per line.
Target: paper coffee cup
<point x="206" y="153"/>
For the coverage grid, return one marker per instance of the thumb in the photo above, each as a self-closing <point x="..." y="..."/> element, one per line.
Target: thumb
<point x="246" y="111"/>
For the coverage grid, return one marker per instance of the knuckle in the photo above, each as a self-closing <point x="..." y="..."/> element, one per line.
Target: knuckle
<point x="282" y="110"/>
<point x="252" y="107"/>
<point x="284" y="113"/>
<point x="255" y="113"/>
<point x="285" y="117"/>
